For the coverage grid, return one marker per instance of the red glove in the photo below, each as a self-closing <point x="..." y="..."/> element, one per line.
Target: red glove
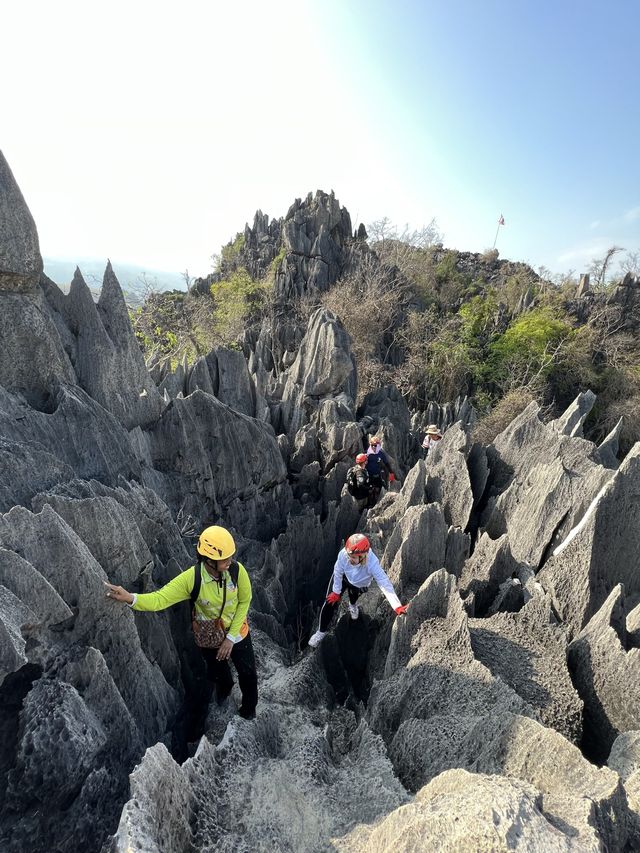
<point x="333" y="598"/>
<point x="392" y="478"/>
<point x="400" y="611"/>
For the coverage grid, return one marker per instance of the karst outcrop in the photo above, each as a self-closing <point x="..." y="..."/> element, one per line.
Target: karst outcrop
<point x="499" y="713"/>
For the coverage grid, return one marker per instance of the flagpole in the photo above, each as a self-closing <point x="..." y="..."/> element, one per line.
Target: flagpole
<point x="496" y="237"/>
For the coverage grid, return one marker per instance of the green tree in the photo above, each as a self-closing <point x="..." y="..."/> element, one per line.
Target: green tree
<point x="526" y="354"/>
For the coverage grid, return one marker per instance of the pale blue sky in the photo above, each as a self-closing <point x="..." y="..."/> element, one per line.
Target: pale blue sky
<point x="150" y="132"/>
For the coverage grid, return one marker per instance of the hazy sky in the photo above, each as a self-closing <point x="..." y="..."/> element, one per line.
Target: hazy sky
<point x="151" y="132"/>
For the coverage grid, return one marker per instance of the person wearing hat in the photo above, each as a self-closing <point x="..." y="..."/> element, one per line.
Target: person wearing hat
<point x="431" y="438"/>
<point x="354" y="570"/>
<point x="220" y="593"/>
<point x="358" y="483"/>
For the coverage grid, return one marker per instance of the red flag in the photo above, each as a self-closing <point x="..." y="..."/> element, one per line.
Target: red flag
<point x="501" y="220"/>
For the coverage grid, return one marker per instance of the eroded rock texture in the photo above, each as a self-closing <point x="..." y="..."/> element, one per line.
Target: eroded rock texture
<point x="457" y="726"/>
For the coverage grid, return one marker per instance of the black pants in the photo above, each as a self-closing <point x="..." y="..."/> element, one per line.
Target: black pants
<point x="326" y="614"/>
<point x="375" y="487"/>
<point x="219" y="673"/>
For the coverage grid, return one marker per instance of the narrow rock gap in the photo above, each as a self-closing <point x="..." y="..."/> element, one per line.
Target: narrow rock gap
<point x="13" y="691"/>
<point x="551" y="544"/>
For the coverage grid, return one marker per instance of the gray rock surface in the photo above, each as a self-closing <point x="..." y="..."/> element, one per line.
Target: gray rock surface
<point x="324" y="368"/>
<point x="416" y="548"/>
<point x="609" y="448"/>
<point x="490" y="566"/>
<point x="227" y="465"/>
<point x="528" y="651"/>
<point x="315" y="235"/>
<point x="624" y="757"/>
<point x="607" y="677"/>
<point x="73" y="437"/>
<point x="20" y="258"/>
<point x="434" y="690"/>
<point x="465" y="811"/>
<point x="448" y="480"/>
<point x="233" y="386"/>
<point x="625" y="760"/>
<point x="602" y="550"/>
<point x="524" y="444"/>
<point x="583" y="801"/>
<point x="543" y="504"/>
<point x="314" y="759"/>
<point x="108" y="361"/>
<point x="573" y="419"/>
<point x="32" y="357"/>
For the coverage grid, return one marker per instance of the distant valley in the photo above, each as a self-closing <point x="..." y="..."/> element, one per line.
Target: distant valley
<point x="134" y="280"/>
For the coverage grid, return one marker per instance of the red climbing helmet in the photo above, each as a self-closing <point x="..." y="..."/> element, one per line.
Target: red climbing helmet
<point x="357" y="544"/>
<point x="361" y="457"/>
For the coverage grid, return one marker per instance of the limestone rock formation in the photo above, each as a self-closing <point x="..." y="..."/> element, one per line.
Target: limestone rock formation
<point x="32" y="357"/>
<point x="328" y="758"/>
<point x="625" y="760"/>
<point x="20" y="259"/>
<point x="601" y="550"/>
<point x="107" y="359"/>
<point x="606" y="675"/>
<point x="448" y="480"/>
<point x="528" y="651"/>
<point x="465" y="811"/>
<point x="434" y="690"/>
<point x="324" y="368"/>
<point x="108" y="471"/>
<point x="584" y="801"/>
<point x="315" y="233"/>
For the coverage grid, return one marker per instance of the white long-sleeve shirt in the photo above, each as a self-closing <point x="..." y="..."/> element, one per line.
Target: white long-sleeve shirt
<point x="362" y="574"/>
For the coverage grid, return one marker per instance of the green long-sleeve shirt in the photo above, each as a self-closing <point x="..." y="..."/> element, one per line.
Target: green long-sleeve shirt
<point x="209" y="600"/>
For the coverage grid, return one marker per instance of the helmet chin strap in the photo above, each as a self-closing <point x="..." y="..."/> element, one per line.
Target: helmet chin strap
<point x="216" y="573"/>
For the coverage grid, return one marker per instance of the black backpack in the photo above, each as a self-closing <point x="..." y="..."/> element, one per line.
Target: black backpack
<point x="234" y="570"/>
<point x="358" y="482"/>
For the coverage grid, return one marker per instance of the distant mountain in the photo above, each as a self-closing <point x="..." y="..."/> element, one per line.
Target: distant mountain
<point x="134" y="280"/>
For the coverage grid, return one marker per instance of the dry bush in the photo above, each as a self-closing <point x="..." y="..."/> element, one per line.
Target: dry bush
<point x="490" y="255"/>
<point x="370" y="304"/>
<point x="499" y="418"/>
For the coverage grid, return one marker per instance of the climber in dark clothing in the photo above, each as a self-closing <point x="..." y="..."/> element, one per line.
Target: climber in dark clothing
<point x="358" y="483"/>
<point x="379" y="468"/>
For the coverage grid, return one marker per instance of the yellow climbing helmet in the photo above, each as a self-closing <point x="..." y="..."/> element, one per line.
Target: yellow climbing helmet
<point x="216" y="543"/>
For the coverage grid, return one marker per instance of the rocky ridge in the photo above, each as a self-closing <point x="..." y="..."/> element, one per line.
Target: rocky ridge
<point x="468" y="724"/>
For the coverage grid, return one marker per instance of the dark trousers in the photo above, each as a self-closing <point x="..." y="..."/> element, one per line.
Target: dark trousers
<point x="375" y="487"/>
<point x="219" y="673"/>
<point x="326" y="614"/>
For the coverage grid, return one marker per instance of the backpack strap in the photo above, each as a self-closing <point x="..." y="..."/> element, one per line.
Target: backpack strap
<point x="234" y="571"/>
<point x="197" y="582"/>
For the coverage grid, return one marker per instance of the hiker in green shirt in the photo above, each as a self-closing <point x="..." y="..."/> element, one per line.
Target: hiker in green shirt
<point x="220" y="592"/>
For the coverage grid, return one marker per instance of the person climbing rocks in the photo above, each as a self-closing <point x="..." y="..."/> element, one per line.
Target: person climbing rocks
<point x="358" y="483"/>
<point x="379" y="468"/>
<point x="220" y="593"/>
<point x="431" y="438"/>
<point x="355" y="568"/>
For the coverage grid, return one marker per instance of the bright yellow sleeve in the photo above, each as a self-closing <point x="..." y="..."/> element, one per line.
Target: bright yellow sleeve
<point x="178" y="589"/>
<point x="244" y="600"/>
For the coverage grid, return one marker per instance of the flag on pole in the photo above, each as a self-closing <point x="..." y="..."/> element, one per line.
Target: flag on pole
<point x="501" y="220"/>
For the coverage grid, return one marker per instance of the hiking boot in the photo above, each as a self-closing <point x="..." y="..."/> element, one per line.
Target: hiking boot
<point x="317" y="638"/>
<point x="354" y="611"/>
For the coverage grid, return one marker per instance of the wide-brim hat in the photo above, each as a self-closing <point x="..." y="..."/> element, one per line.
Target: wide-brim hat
<point x="432" y="429"/>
